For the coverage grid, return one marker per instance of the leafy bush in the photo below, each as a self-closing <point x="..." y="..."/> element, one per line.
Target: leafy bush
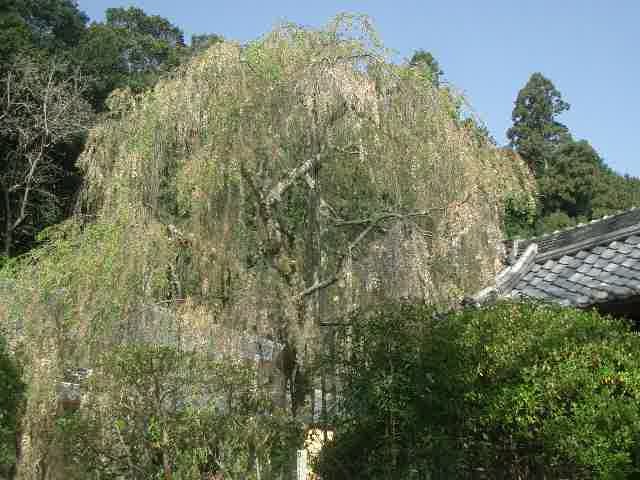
<point x="156" y="412"/>
<point x="11" y="392"/>
<point x="507" y="391"/>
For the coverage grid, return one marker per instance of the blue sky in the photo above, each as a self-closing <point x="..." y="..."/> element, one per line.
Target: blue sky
<point x="590" y="49"/>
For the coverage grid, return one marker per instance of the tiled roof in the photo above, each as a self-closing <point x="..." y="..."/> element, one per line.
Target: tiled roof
<point x="591" y="264"/>
<point x="600" y="274"/>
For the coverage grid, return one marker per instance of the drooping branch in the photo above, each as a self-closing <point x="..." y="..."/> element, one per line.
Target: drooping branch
<point x="372" y="223"/>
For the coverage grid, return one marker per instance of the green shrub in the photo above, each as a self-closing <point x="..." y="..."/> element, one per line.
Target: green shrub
<point x="11" y="392"/>
<point x="507" y="391"/>
<point x="157" y="412"/>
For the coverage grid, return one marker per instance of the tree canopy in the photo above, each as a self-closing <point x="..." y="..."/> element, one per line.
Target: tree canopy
<point x="536" y="131"/>
<point x="427" y="62"/>
<point x="574" y="183"/>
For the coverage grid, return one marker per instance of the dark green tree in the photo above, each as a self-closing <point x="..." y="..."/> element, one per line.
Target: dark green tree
<point x="46" y="26"/>
<point x="201" y="42"/>
<point x="428" y="64"/>
<point x="130" y="49"/>
<point x="572" y="180"/>
<point x="618" y="192"/>
<point x="136" y="21"/>
<point x="536" y="132"/>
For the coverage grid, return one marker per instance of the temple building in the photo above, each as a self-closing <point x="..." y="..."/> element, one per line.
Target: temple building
<point x="594" y="265"/>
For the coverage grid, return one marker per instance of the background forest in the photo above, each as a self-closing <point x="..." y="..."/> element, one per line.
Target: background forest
<point x="217" y="245"/>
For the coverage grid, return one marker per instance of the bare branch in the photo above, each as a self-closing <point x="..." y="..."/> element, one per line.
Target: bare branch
<point x="37" y="111"/>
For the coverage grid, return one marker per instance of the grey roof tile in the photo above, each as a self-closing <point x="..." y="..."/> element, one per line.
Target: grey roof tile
<point x="581" y="255"/>
<point x="601" y="263"/>
<point x="615" y="245"/>
<point x="592" y="283"/>
<point x="577" y="298"/>
<point x="576" y="277"/>
<point x="558" y="268"/>
<point x="600" y="295"/>
<point x="623" y="247"/>
<point x="631" y="263"/>
<point x="632" y="240"/>
<point x="535" y="267"/>
<point x="533" y="292"/>
<point x="567" y="285"/>
<point x="583" y="301"/>
<point x="550" y="277"/>
<point x="608" y="254"/>
<point x="620" y="291"/>
<point x="597" y="250"/>
<point x="625" y="272"/>
<point x="575" y="263"/>
<point x="611" y="267"/>
<point x="594" y="272"/>
<point x="554" y="290"/>
<point x="591" y="259"/>
<point x="635" y="253"/>
<point x="584" y="268"/>
<point x="549" y="264"/>
<point x="606" y="277"/>
<point x="567" y="260"/>
<point x="619" y="258"/>
<point x="583" y="291"/>
<point x="620" y="281"/>
<point x="584" y="280"/>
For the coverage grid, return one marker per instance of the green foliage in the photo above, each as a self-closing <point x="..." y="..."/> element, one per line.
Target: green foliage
<point x="402" y="394"/>
<point x="557" y="388"/>
<point x="47" y="26"/>
<point x="512" y="390"/>
<point x="428" y="65"/>
<point x="572" y="180"/>
<point x="554" y="221"/>
<point x="574" y="183"/>
<point x="11" y="398"/>
<point x="154" y="411"/>
<point x="536" y="131"/>
<point x="520" y="217"/>
<point x="200" y="43"/>
<point x="129" y="50"/>
<point x="615" y="193"/>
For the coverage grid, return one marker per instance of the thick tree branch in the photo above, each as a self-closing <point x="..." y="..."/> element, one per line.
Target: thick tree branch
<point x="275" y="195"/>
